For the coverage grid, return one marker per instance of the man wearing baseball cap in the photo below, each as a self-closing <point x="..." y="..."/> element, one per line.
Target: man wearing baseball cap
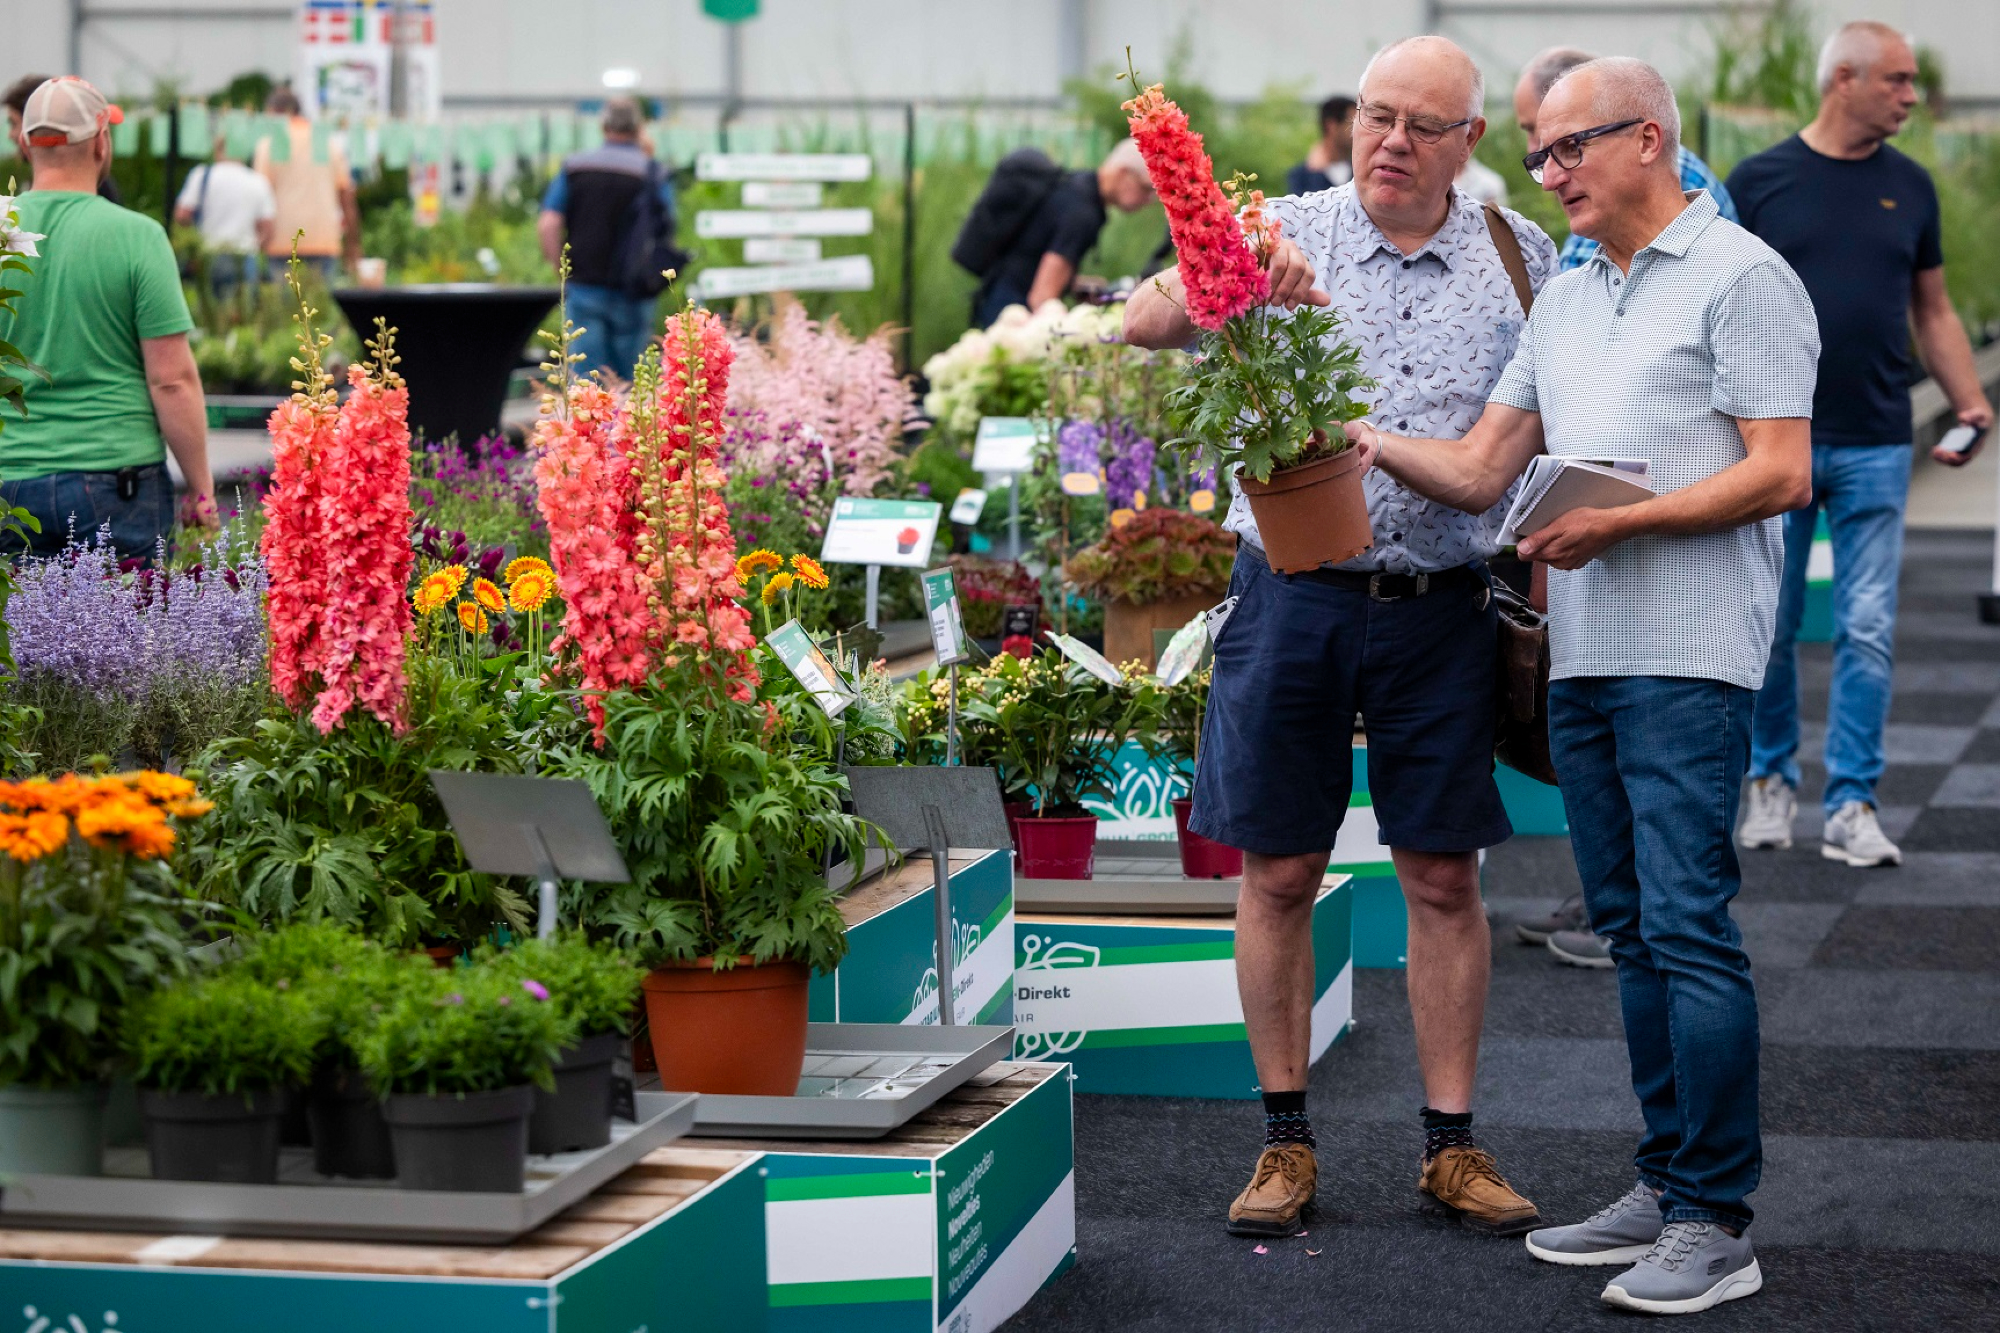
<point x="102" y="315"/>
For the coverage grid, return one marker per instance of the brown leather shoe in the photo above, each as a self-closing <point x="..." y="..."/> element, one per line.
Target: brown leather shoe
<point x="1466" y="1183"/>
<point x="1282" y="1188"/>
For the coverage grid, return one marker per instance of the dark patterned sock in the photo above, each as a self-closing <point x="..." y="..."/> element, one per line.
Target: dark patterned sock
<point x="1285" y="1119"/>
<point x="1446" y="1130"/>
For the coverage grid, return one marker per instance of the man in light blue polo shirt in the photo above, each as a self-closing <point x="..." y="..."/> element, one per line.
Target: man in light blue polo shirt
<point x="1686" y="342"/>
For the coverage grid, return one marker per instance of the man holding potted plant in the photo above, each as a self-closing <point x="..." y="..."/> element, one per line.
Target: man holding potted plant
<point x="1433" y="293"/>
<point x="1692" y="345"/>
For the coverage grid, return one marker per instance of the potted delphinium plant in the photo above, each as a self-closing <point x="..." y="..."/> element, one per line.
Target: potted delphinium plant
<point x="1156" y="570"/>
<point x="457" y="1056"/>
<point x="595" y="989"/>
<point x="1269" y="389"/>
<point x="91" y="919"/>
<point x="1059" y="728"/>
<point x="214" y="1057"/>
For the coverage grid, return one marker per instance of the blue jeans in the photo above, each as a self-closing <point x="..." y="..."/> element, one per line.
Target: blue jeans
<point x="91" y="500"/>
<point x="1862" y="488"/>
<point x="614" y="327"/>
<point x="1651" y="768"/>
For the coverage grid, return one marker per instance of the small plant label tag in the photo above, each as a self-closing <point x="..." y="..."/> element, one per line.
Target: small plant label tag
<point x="947" y="624"/>
<point x="1184" y="651"/>
<point x="969" y="505"/>
<point x="1082" y="483"/>
<point x="1004" y="445"/>
<point x="1020" y="619"/>
<point x="1086" y="657"/>
<point x="809" y="667"/>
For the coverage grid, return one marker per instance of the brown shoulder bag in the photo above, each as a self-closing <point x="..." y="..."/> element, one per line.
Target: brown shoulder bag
<point x="1521" y="741"/>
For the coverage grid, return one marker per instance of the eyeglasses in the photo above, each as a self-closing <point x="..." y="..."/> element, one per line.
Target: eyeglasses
<point x="1424" y="129"/>
<point x="1568" y="150"/>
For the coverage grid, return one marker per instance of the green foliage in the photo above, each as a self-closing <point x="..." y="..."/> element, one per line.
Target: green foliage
<point x="1051" y="727"/>
<point x="245" y="345"/>
<point x="1269" y="391"/>
<point x="1769" y="60"/>
<point x="347" y="827"/>
<point x="1177" y="719"/>
<point x="80" y="939"/>
<point x="224" y="1033"/>
<point x="301" y="951"/>
<point x="1156" y="555"/>
<point x="468" y="1029"/>
<point x="724" y="823"/>
<point x="591" y="984"/>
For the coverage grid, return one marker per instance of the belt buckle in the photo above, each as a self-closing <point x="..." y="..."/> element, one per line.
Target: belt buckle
<point x="1375" y="593"/>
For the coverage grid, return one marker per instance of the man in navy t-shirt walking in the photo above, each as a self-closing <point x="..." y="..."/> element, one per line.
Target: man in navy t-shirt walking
<point x="1858" y="222"/>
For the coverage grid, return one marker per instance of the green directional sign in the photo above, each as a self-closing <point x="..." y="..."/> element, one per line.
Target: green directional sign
<point x="730" y="11"/>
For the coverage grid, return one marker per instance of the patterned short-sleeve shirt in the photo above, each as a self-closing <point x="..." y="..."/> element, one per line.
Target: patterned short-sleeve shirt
<point x="1435" y="328"/>
<point x="1710" y="327"/>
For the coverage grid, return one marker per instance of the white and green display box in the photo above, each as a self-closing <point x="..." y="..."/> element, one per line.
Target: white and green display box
<point x="1816" y="623"/>
<point x="890" y="972"/>
<point x="1148" y="1005"/>
<point x="950" y="1224"/>
<point x="667" y="1254"/>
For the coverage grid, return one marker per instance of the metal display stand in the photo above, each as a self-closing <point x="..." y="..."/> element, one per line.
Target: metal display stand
<point x="308" y="1205"/>
<point x="1128" y="897"/>
<point x="545" y="828"/>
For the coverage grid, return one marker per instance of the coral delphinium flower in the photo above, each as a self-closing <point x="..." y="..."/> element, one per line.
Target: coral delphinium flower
<point x="811" y="573"/>
<point x="1217" y="264"/>
<point x="488" y="594"/>
<point x="471" y="618"/>
<point x="301" y="431"/>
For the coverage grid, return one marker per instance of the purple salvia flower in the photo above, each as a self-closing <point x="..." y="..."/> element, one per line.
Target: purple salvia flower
<point x="1077" y="446"/>
<point x="1131" y="468"/>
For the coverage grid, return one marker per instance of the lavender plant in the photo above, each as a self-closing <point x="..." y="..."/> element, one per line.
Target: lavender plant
<point x="204" y="650"/>
<point x="78" y="655"/>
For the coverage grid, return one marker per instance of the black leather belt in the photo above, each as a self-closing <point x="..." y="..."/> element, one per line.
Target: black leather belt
<point x="1398" y="587"/>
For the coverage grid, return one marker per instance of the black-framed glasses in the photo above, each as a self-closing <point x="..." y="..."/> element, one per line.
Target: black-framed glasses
<point x="1568" y="150"/>
<point x="1424" y="129"/>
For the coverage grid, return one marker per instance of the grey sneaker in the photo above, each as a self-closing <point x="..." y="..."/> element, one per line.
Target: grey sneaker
<point x="1853" y="835"/>
<point x="1768" y="821"/>
<point x="1580" y="948"/>
<point x="1620" y="1233"/>
<point x="1569" y="916"/>
<point x="1691" y="1267"/>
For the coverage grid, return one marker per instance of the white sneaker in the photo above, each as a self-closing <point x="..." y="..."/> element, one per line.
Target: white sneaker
<point x="1854" y="836"/>
<point x="1768" y="822"/>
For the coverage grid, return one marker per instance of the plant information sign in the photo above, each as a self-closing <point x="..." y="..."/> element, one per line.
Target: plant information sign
<point x="781" y="222"/>
<point x="947" y="624"/>
<point x="1004" y="445"/>
<point x="1087" y="657"/>
<point x="809" y="667"/>
<point x="881" y="532"/>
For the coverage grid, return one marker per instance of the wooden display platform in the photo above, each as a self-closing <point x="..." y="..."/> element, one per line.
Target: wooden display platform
<point x="890" y="972"/>
<point x="952" y="1222"/>
<point x="674" y="1243"/>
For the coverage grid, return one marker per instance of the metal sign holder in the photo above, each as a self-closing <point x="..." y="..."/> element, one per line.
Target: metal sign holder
<point x="548" y="829"/>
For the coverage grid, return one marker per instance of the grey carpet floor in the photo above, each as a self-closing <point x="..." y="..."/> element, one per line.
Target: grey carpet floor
<point x="1880" y="1002"/>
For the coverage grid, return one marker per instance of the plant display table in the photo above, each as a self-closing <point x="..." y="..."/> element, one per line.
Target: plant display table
<point x="951" y="1223"/>
<point x="890" y="973"/>
<point x="460" y="342"/>
<point x="675" y="1243"/>
<point x="1148" y="1004"/>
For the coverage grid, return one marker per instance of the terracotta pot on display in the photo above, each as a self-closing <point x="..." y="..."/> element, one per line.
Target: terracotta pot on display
<point x="1203" y="858"/>
<point x="1129" y="626"/>
<point x="1312" y="514"/>
<point x="476" y="1142"/>
<point x="1056" y="846"/>
<point x="737" y="1032"/>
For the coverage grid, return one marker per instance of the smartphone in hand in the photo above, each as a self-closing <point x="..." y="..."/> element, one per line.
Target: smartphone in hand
<point x="1958" y="445"/>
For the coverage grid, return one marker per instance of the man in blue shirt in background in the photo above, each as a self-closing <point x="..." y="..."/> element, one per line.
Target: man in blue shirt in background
<point x="1536" y="80"/>
<point x="1858" y="222"/>
<point x="594" y="204"/>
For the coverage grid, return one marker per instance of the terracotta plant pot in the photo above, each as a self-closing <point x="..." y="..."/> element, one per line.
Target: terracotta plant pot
<point x="443" y="955"/>
<point x="1057" y="847"/>
<point x="741" y="1032"/>
<point x="1129" y="626"/>
<point x="1203" y="858"/>
<point x="1312" y="514"/>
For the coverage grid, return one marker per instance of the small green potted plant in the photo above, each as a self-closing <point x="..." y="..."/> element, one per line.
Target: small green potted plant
<point x="595" y="989"/>
<point x="457" y="1056"/>
<point x="1060" y="727"/>
<point x="1157" y="570"/>
<point x="214" y="1057"/>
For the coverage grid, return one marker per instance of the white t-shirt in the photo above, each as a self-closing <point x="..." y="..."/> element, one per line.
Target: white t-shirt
<point x="238" y="199"/>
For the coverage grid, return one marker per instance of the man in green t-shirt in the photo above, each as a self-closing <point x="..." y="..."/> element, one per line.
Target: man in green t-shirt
<point x="103" y="317"/>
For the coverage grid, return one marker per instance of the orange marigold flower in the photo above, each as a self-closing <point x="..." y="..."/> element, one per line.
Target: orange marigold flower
<point x="532" y="590"/>
<point x="776" y="586"/>
<point x="488" y="594"/>
<point x="757" y="562"/>
<point x="32" y="836"/>
<point x="162" y="787"/>
<point x="810" y="571"/>
<point x="150" y="842"/>
<point x="472" y="618"/>
<point x="189" y="809"/>
<point x="526" y="564"/>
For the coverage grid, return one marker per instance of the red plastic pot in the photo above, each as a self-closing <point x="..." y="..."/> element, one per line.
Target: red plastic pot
<point x="1204" y="858"/>
<point x="1056" y="847"/>
<point x="1016" y="810"/>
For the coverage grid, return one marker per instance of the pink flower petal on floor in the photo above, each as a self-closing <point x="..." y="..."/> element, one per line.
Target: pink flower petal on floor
<point x="1312" y="1254"/>
<point x="1305" y="1233"/>
<point x="1260" y="1250"/>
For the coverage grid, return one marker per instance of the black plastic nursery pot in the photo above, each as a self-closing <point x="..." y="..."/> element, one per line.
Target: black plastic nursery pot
<point x="232" y="1138"/>
<point x="349" y="1136"/>
<point x="577" y="1114"/>
<point x="476" y="1142"/>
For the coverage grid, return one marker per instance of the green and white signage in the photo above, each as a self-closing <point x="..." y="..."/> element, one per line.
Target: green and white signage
<point x="1005" y="445"/>
<point x="810" y="667"/>
<point x="880" y="532"/>
<point x="947" y="622"/>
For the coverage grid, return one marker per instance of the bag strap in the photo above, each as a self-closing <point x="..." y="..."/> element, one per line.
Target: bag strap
<point x="1509" y="247"/>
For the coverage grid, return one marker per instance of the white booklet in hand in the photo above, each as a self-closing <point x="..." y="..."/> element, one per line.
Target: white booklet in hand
<point x="1553" y="486"/>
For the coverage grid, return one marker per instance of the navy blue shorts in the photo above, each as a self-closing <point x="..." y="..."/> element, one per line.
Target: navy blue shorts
<point x="1294" y="663"/>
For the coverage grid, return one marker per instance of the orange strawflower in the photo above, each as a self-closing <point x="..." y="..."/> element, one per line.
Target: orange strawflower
<point x="452" y="577"/>
<point x="472" y="618"/>
<point x="532" y="590"/>
<point x="752" y="563"/>
<point x="810" y="571"/>
<point x="525" y="564"/>
<point x="488" y="595"/>
<point x="777" y="586"/>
